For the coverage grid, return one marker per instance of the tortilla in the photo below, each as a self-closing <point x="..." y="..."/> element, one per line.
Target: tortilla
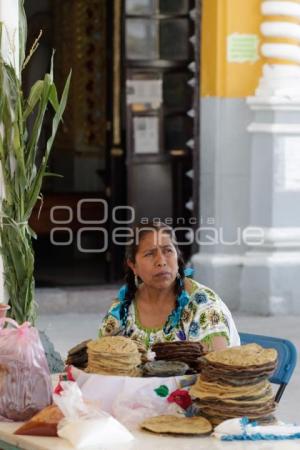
<point x="177" y="425"/>
<point x="243" y="356"/>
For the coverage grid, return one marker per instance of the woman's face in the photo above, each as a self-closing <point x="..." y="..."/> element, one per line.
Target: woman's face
<point x="156" y="261"/>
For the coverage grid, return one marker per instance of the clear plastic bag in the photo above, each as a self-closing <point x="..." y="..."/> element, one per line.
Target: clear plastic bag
<point x="136" y="403"/>
<point x="25" y="383"/>
<point x="85" y="424"/>
<point x="132" y="399"/>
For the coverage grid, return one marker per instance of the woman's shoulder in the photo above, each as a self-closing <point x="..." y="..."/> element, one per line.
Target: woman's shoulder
<point x="119" y="300"/>
<point x="112" y="323"/>
<point x="115" y="301"/>
<point x="200" y="293"/>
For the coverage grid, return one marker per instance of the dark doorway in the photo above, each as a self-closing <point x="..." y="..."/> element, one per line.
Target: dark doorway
<point x="130" y="137"/>
<point x="74" y="219"/>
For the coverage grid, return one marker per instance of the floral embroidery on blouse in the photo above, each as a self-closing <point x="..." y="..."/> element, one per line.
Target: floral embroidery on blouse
<point x="202" y="316"/>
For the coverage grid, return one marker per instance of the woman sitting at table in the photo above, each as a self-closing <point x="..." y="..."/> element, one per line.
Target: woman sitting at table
<point x="159" y="303"/>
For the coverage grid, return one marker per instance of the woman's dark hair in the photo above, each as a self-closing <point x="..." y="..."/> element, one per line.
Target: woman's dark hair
<point x="139" y="231"/>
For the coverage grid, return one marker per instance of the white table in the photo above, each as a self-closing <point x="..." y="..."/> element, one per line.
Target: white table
<point x="143" y="441"/>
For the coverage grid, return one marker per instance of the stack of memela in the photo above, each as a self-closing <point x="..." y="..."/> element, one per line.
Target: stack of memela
<point x="113" y="355"/>
<point x="234" y="383"/>
<point x="77" y="356"/>
<point x="184" y="351"/>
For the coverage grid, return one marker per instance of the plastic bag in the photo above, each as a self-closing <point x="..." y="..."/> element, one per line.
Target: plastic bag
<point x="25" y="383"/>
<point x="84" y="424"/>
<point x="135" y="404"/>
<point x="132" y="399"/>
<point x="242" y="429"/>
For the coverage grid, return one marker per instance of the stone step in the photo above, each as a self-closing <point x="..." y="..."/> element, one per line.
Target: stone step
<point x="91" y="299"/>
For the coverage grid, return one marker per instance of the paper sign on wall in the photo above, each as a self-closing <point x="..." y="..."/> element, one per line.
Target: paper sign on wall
<point x="146" y="134"/>
<point x="144" y="91"/>
<point x="242" y="48"/>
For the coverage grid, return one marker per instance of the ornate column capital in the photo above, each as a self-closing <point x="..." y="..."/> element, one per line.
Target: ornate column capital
<point x="281" y="38"/>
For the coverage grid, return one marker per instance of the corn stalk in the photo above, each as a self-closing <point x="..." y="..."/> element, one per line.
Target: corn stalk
<point x="21" y="176"/>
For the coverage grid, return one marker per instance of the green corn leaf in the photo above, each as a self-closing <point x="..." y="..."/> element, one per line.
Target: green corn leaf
<point x="22" y="34"/>
<point x="54" y="98"/>
<point x="19" y="153"/>
<point x="33" y="98"/>
<point x="37" y="126"/>
<point x="42" y="169"/>
<point x="1" y="148"/>
<point x="58" y="114"/>
<point x="52" y="174"/>
<point x="32" y="232"/>
<point x="35" y="189"/>
<point x="16" y="259"/>
<point x="32" y="175"/>
<point x="52" y="66"/>
<point x="21" y="177"/>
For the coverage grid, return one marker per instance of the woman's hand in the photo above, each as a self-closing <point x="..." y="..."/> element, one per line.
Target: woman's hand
<point x="216" y="343"/>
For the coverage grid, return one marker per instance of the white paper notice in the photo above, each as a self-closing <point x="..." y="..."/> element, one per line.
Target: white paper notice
<point x="146" y="134"/>
<point x="144" y="91"/>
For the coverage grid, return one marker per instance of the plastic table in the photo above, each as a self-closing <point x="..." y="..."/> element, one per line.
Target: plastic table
<point x="143" y="441"/>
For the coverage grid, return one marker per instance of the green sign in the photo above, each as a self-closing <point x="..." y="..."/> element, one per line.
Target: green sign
<point x="242" y="48"/>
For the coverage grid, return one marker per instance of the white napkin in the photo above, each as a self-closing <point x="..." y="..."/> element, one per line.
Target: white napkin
<point x="241" y="429"/>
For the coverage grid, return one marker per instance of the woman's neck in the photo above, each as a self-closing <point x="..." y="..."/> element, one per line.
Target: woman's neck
<point x="155" y="297"/>
<point x="154" y="306"/>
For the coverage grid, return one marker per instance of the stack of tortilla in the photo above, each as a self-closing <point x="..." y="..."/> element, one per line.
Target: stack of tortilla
<point x="143" y="351"/>
<point x="234" y="383"/>
<point x="77" y="356"/>
<point x="184" y="351"/>
<point x="113" y="355"/>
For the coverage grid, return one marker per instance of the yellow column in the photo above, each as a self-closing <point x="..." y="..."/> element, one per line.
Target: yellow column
<point x="230" y="60"/>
